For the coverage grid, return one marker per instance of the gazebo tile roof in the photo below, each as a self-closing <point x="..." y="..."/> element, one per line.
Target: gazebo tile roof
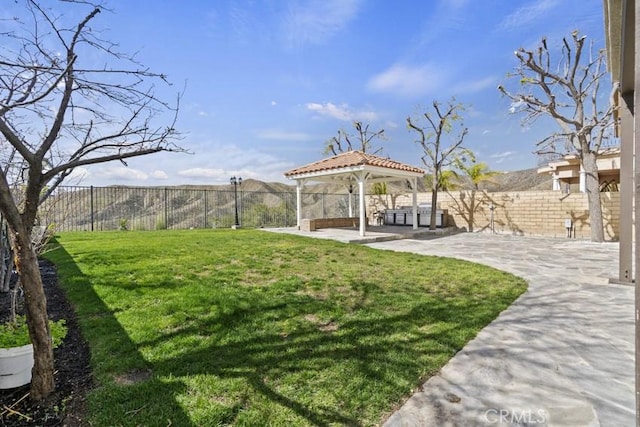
<point x="351" y="159"/>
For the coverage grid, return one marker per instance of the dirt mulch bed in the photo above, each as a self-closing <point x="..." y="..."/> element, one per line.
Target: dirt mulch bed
<point x="66" y="405"/>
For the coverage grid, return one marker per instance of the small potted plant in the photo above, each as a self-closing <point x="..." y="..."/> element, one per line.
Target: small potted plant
<point x="16" y="350"/>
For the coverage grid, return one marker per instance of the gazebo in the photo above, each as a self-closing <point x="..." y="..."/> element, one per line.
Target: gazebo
<point x="355" y="167"/>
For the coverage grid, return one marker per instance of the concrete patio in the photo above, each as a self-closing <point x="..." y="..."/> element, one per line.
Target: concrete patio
<point x="561" y="355"/>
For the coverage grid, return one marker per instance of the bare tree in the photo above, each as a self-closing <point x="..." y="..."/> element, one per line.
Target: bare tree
<point x="567" y="90"/>
<point x="441" y="139"/>
<point x="68" y="98"/>
<point x="365" y="140"/>
<point x="472" y="175"/>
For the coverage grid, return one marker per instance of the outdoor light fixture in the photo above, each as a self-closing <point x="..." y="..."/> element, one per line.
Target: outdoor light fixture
<point x="235" y="182"/>
<point x="492" y="208"/>
<point x="568" y="224"/>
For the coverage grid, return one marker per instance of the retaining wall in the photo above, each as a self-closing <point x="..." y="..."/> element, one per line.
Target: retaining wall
<point x="541" y="213"/>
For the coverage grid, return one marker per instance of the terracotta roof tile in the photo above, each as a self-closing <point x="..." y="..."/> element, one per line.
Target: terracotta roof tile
<point x="350" y="159"/>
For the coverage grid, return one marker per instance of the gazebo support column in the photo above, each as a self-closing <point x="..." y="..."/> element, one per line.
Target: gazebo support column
<point x="363" y="218"/>
<point x="350" y="189"/>
<point x="414" y="190"/>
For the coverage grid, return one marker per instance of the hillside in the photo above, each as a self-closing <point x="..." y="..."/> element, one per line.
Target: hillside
<point x="522" y="180"/>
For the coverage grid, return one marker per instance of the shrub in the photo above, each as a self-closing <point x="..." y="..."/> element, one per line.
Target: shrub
<point x="16" y="334"/>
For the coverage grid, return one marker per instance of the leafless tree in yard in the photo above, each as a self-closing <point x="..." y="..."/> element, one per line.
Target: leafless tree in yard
<point x="68" y="98"/>
<point x="363" y="141"/>
<point x="441" y="134"/>
<point x="568" y="91"/>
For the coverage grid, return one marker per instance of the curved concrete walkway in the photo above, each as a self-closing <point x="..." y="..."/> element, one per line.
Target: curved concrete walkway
<point x="561" y="355"/>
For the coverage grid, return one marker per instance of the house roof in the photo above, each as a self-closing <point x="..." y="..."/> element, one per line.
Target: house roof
<point x="352" y="161"/>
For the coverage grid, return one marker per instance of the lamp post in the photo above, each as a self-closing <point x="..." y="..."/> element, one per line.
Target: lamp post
<point x="235" y="182"/>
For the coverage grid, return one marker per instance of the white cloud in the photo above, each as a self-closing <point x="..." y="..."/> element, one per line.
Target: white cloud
<point x="516" y="106"/>
<point x="501" y="157"/>
<point x="121" y="173"/>
<point x="330" y="110"/>
<point x="391" y="124"/>
<point x="80" y="172"/>
<point x="158" y="174"/>
<point x="205" y="173"/>
<point x="77" y="176"/>
<point x="341" y="112"/>
<point x="247" y="163"/>
<point x="473" y="86"/>
<point x="408" y="81"/>
<point x="526" y="14"/>
<point x="274" y="103"/>
<point x="195" y="108"/>
<point x="282" y="135"/>
<point x="316" y="21"/>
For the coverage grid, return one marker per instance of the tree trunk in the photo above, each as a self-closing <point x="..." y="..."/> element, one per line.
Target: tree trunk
<point x="42" y="381"/>
<point x="593" y="193"/>
<point x="434" y="201"/>
<point x="472" y="210"/>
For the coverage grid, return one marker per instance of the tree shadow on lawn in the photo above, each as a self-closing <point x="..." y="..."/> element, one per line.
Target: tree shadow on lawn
<point x="395" y="352"/>
<point x="125" y="378"/>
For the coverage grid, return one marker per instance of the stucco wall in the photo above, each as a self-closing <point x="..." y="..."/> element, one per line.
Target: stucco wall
<point x="540" y="213"/>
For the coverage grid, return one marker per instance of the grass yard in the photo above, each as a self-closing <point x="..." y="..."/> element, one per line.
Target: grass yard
<point x="245" y="327"/>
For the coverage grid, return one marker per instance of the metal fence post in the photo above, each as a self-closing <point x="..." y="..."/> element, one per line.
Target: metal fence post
<point x="286" y="209"/>
<point x="166" y="209"/>
<point x="91" y="199"/>
<point x="205" y="208"/>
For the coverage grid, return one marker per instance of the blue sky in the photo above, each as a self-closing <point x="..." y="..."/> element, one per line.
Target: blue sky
<point x="267" y="82"/>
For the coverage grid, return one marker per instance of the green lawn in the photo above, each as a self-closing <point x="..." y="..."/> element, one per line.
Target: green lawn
<point x="245" y="327"/>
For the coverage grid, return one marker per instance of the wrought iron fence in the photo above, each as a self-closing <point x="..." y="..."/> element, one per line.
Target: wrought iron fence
<point x="80" y="208"/>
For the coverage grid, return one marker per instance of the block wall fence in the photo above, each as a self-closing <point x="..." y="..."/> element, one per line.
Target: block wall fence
<point x="534" y="213"/>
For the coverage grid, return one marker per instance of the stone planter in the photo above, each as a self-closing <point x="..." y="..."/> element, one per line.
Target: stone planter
<point x="15" y="366"/>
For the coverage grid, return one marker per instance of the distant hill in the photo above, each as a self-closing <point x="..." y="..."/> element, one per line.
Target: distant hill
<point x="252" y="185"/>
<point x="522" y="180"/>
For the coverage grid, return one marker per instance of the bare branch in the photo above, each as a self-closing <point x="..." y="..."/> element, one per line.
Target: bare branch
<point x="570" y="97"/>
<point x="441" y="140"/>
<point x="59" y="111"/>
<point x="579" y="82"/>
<point x="446" y="123"/>
<point x="365" y="139"/>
